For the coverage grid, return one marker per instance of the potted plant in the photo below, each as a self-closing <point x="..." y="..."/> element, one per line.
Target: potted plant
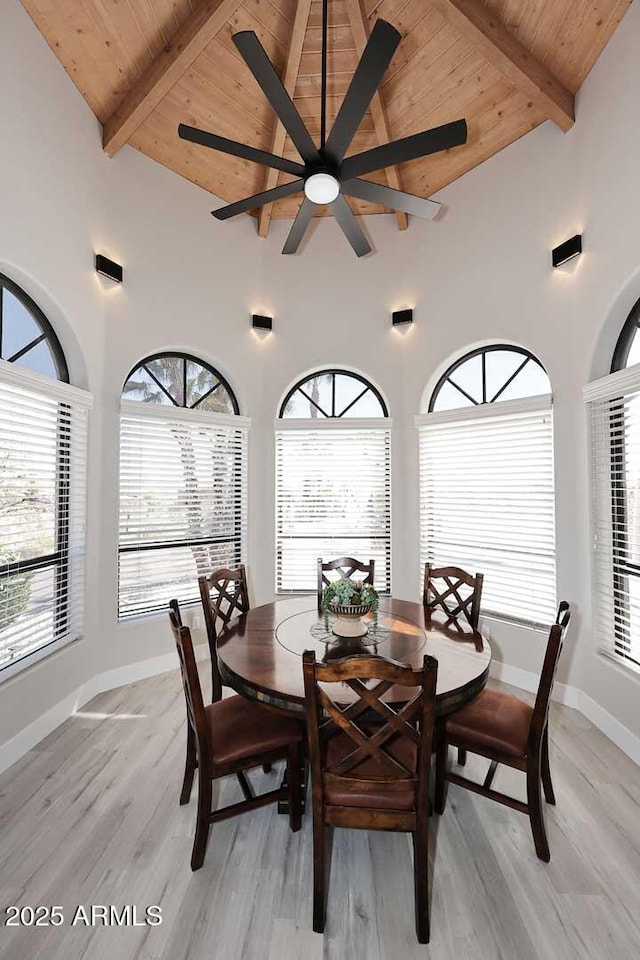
<point x="349" y="600"/>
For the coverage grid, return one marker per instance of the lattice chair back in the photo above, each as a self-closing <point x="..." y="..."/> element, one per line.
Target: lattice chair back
<point x="344" y="568"/>
<point x="224" y="595"/>
<point x="453" y="593"/>
<point x="370" y="678"/>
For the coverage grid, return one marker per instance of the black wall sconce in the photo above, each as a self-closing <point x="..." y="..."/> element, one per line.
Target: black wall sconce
<point x="401" y="316"/>
<point x="567" y="250"/>
<point x="259" y="322"/>
<point x="108" y="268"/>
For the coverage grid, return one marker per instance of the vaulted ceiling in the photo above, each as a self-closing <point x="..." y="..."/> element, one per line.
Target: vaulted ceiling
<point x="144" y="66"/>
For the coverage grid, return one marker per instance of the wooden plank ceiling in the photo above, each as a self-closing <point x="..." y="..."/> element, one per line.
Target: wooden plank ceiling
<point x="144" y="66"/>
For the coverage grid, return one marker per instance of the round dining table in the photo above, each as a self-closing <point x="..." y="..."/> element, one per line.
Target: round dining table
<point x="260" y="653"/>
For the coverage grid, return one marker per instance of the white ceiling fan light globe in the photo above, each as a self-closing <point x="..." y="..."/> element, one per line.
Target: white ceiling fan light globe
<point x="321" y="188"/>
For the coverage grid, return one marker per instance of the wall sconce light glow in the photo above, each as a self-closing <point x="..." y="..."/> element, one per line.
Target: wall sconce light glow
<point x="109" y="268"/>
<point x="399" y="317"/>
<point x="567" y="251"/>
<point x="321" y="188"/>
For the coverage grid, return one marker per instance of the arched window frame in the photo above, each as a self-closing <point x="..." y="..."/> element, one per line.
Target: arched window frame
<point x="482" y="352"/>
<point x="613" y="406"/>
<point x="186" y="358"/>
<point x="43" y="437"/>
<point x="47" y="334"/>
<point x="332" y="372"/>
<point x="449" y="500"/>
<point x="308" y="442"/>
<point x="200" y="516"/>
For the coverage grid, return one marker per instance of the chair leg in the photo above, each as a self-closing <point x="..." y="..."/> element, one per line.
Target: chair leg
<point x="320" y="871"/>
<point x="245" y="786"/>
<point x="550" y="796"/>
<point x="190" y="767"/>
<point x="462" y="756"/>
<point x="421" y="878"/>
<point x="293" y="783"/>
<point x="442" y="754"/>
<point x="266" y="767"/>
<point x="202" y="823"/>
<point x="536" y="811"/>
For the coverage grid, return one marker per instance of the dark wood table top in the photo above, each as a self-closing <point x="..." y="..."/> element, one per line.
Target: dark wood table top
<point x="260" y="653"/>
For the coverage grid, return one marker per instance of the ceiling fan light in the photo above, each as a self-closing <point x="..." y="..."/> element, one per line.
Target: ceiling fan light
<point x="321" y="188"/>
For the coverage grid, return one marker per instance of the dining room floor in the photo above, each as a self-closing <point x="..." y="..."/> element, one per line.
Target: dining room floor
<point x="91" y="816"/>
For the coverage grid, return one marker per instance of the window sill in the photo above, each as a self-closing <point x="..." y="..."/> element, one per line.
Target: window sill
<point x="625" y="667"/>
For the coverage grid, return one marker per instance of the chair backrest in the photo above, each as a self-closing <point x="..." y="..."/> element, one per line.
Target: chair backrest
<point x="224" y="595"/>
<point x="456" y="593"/>
<point x="413" y="720"/>
<point x="190" y="682"/>
<point x="547" y="677"/>
<point x="345" y="568"/>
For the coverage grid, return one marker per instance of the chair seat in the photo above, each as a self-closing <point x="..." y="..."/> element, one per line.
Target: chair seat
<point x="390" y="794"/>
<point x="240" y="729"/>
<point x="493" y="722"/>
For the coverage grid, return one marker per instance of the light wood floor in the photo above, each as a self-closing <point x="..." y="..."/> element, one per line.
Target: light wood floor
<point x="91" y="816"/>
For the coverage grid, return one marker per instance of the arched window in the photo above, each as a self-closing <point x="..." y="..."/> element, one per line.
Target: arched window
<point x="26" y="336"/>
<point x="333" y="469"/>
<point x="489" y="375"/>
<point x="333" y="393"/>
<point x="614" y="412"/>
<point x="486" y="480"/>
<point x="183" y="498"/>
<point x="43" y="430"/>
<point x="182" y="381"/>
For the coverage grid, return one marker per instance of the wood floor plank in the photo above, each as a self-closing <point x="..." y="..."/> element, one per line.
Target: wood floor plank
<point x="91" y="816"/>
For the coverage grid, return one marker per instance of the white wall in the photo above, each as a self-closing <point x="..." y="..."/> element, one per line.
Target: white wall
<point x="480" y="273"/>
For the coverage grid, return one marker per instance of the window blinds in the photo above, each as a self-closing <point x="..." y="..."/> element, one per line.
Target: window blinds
<point x="614" y="427"/>
<point x="183" y="502"/>
<point x="333" y="498"/>
<point x="487" y="502"/>
<point x="43" y="447"/>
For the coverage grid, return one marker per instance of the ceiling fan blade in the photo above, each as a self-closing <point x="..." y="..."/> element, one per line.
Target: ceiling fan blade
<point x="300" y="224"/>
<point x="254" y="55"/>
<point x="409" y="148"/>
<point x="206" y="139"/>
<point x="388" y="197"/>
<point x="350" y="226"/>
<point x="375" y="59"/>
<point x="258" y="200"/>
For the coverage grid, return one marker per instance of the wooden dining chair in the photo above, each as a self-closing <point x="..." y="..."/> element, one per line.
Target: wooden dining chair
<point x="346" y="567"/>
<point x="370" y="776"/>
<point x="506" y="730"/>
<point x="230" y="737"/>
<point x="453" y="593"/>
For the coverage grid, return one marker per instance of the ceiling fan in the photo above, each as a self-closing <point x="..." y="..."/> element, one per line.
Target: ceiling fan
<point x="326" y="176"/>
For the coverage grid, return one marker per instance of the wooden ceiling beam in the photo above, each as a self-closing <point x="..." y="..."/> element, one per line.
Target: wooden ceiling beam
<point x="169" y="66"/>
<point x="360" y="31"/>
<point x="294" y="55"/>
<point x="475" y="22"/>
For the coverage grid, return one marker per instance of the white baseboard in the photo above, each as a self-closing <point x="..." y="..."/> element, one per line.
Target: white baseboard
<point x="628" y="742"/>
<point x="12" y="750"/>
<point x="27" y="739"/>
